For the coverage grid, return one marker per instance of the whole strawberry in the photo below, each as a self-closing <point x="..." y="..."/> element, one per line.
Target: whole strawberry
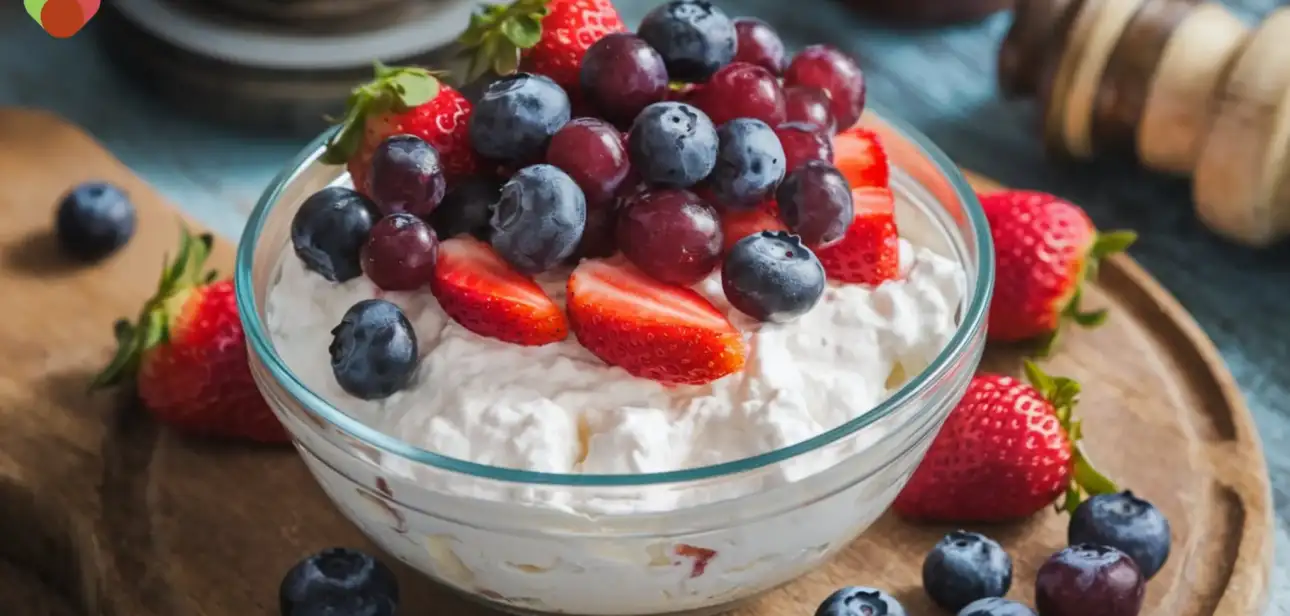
<point x="1006" y="451"/>
<point x="1045" y="248"/>
<point x="547" y="37"/>
<point x="187" y="354"/>
<point x="403" y="100"/>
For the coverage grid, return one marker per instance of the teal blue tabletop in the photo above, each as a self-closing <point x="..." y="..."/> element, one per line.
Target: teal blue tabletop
<point x="942" y="81"/>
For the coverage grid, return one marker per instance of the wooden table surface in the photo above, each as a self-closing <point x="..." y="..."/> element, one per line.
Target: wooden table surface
<point x="942" y="81"/>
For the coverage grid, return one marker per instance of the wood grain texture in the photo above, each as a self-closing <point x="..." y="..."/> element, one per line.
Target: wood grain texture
<point x="119" y="517"/>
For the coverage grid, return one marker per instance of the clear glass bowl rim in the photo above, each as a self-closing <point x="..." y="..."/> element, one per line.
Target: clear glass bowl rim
<point x="261" y="345"/>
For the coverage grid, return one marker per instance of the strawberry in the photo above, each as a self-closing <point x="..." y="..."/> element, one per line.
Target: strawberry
<point x="1045" y="248"/>
<point x="403" y="100"/>
<point x="187" y="354"/>
<point x="548" y="37"/>
<point x="859" y="155"/>
<point x="869" y="253"/>
<point x="479" y="290"/>
<point x="1006" y="451"/>
<point x="648" y="328"/>
<point x="736" y="225"/>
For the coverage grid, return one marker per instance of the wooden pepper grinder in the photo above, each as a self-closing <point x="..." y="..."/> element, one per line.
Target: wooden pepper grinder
<point x="1182" y="86"/>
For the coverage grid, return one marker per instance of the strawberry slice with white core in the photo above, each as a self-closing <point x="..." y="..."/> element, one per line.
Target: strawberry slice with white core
<point x="736" y="225"/>
<point x="479" y="290"/>
<point x="859" y="155"/>
<point x="869" y="253"/>
<point x="651" y="329"/>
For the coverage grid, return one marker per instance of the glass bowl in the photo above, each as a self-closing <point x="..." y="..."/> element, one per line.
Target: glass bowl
<point x="460" y="523"/>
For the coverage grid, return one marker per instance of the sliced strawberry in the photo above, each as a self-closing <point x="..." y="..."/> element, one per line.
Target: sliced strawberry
<point x="859" y="155"/>
<point x="870" y="251"/>
<point x="738" y="225"/>
<point x="651" y="329"/>
<point x="482" y="293"/>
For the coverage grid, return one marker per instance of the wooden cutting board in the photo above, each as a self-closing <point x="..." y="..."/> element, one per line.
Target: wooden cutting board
<point x="104" y="513"/>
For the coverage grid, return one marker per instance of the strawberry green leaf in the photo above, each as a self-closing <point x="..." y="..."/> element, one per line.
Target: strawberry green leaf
<point x="1090" y="319"/>
<point x="498" y="35"/>
<point x="523" y="31"/>
<point x="1113" y="242"/>
<point x="393" y="88"/>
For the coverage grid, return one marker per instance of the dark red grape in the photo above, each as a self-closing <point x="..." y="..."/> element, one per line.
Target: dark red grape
<point x="759" y="44"/>
<point x="593" y="153"/>
<point x="400" y="253"/>
<point x="670" y="234"/>
<point x="815" y="203"/>
<point x="621" y="75"/>
<point x="406" y="176"/>
<point x="808" y="106"/>
<point x="599" y="238"/>
<point x="742" y="90"/>
<point x="802" y="143"/>
<point x="828" y="69"/>
<point x="467" y="209"/>
<point x="1089" y="579"/>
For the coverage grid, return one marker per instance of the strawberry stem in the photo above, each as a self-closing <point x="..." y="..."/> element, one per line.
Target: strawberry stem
<point x="498" y="35"/>
<point x="393" y="88"/>
<point x="1104" y="245"/>
<point x="1063" y="393"/>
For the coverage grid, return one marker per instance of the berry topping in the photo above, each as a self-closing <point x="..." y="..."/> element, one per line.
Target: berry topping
<point x="649" y="328"/>
<point x="539" y="218"/>
<point x="94" y="220"/>
<point x="759" y="44"/>
<point x="815" y="202"/>
<point x="869" y="253"/>
<point x="621" y="75"/>
<point x="860" y="601"/>
<point x="482" y="293"/>
<point x="400" y="253"/>
<point x="670" y="234"/>
<point x="750" y="164"/>
<point x="803" y="143"/>
<point x="467" y="209"/>
<point x="828" y="69"/>
<point x="965" y="567"/>
<point x="329" y="230"/>
<point x="808" y="106"/>
<point x="516" y="118"/>
<point x="859" y="155"/>
<point x="694" y="37"/>
<point x="742" y="90"/>
<point x="994" y="606"/>
<point x="406" y="176"/>
<point x="673" y="144"/>
<point x="737" y="225"/>
<point x="600" y="237"/>
<point x="1126" y="523"/>
<point x="1089" y="579"/>
<point x="373" y="350"/>
<point x="339" y="581"/>
<point x="593" y="153"/>
<point x="771" y="276"/>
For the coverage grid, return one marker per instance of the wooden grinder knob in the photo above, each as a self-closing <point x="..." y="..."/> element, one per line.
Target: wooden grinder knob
<point x="1181" y="86"/>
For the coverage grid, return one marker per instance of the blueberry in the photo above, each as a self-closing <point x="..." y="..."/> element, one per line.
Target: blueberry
<point x="771" y="276"/>
<point x="673" y="144"/>
<point x="694" y="38"/>
<point x="338" y="582"/>
<point x="407" y="176"/>
<point x="329" y="230"/>
<point x="516" y="117"/>
<point x="373" y="350"/>
<point x="860" y="601"/>
<point x="467" y="208"/>
<point x="1127" y="523"/>
<point x="750" y="163"/>
<point x="964" y="567"/>
<point x="94" y="219"/>
<point x="994" y="606"/>
<point x="539" y="218"/>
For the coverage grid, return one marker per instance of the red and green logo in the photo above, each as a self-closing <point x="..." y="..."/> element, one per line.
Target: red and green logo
<point x="62" y="18"/>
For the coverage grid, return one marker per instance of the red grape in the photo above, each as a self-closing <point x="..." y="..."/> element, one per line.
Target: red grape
<point x="815" y="202"/>
<point x="621" y="75"/>
<point x="406" y="176"/>
<point x="670" y="234"/>
<point x="824" y="67"/>
<point x="741" y="90"/>
<point x="759" y="44"/>
<point x="400" y="253"/>
<point x="593" y="153"/>
<point x="808" y="106"/>
<point x="599" y="238"/>
<point x="803" y="143"/>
